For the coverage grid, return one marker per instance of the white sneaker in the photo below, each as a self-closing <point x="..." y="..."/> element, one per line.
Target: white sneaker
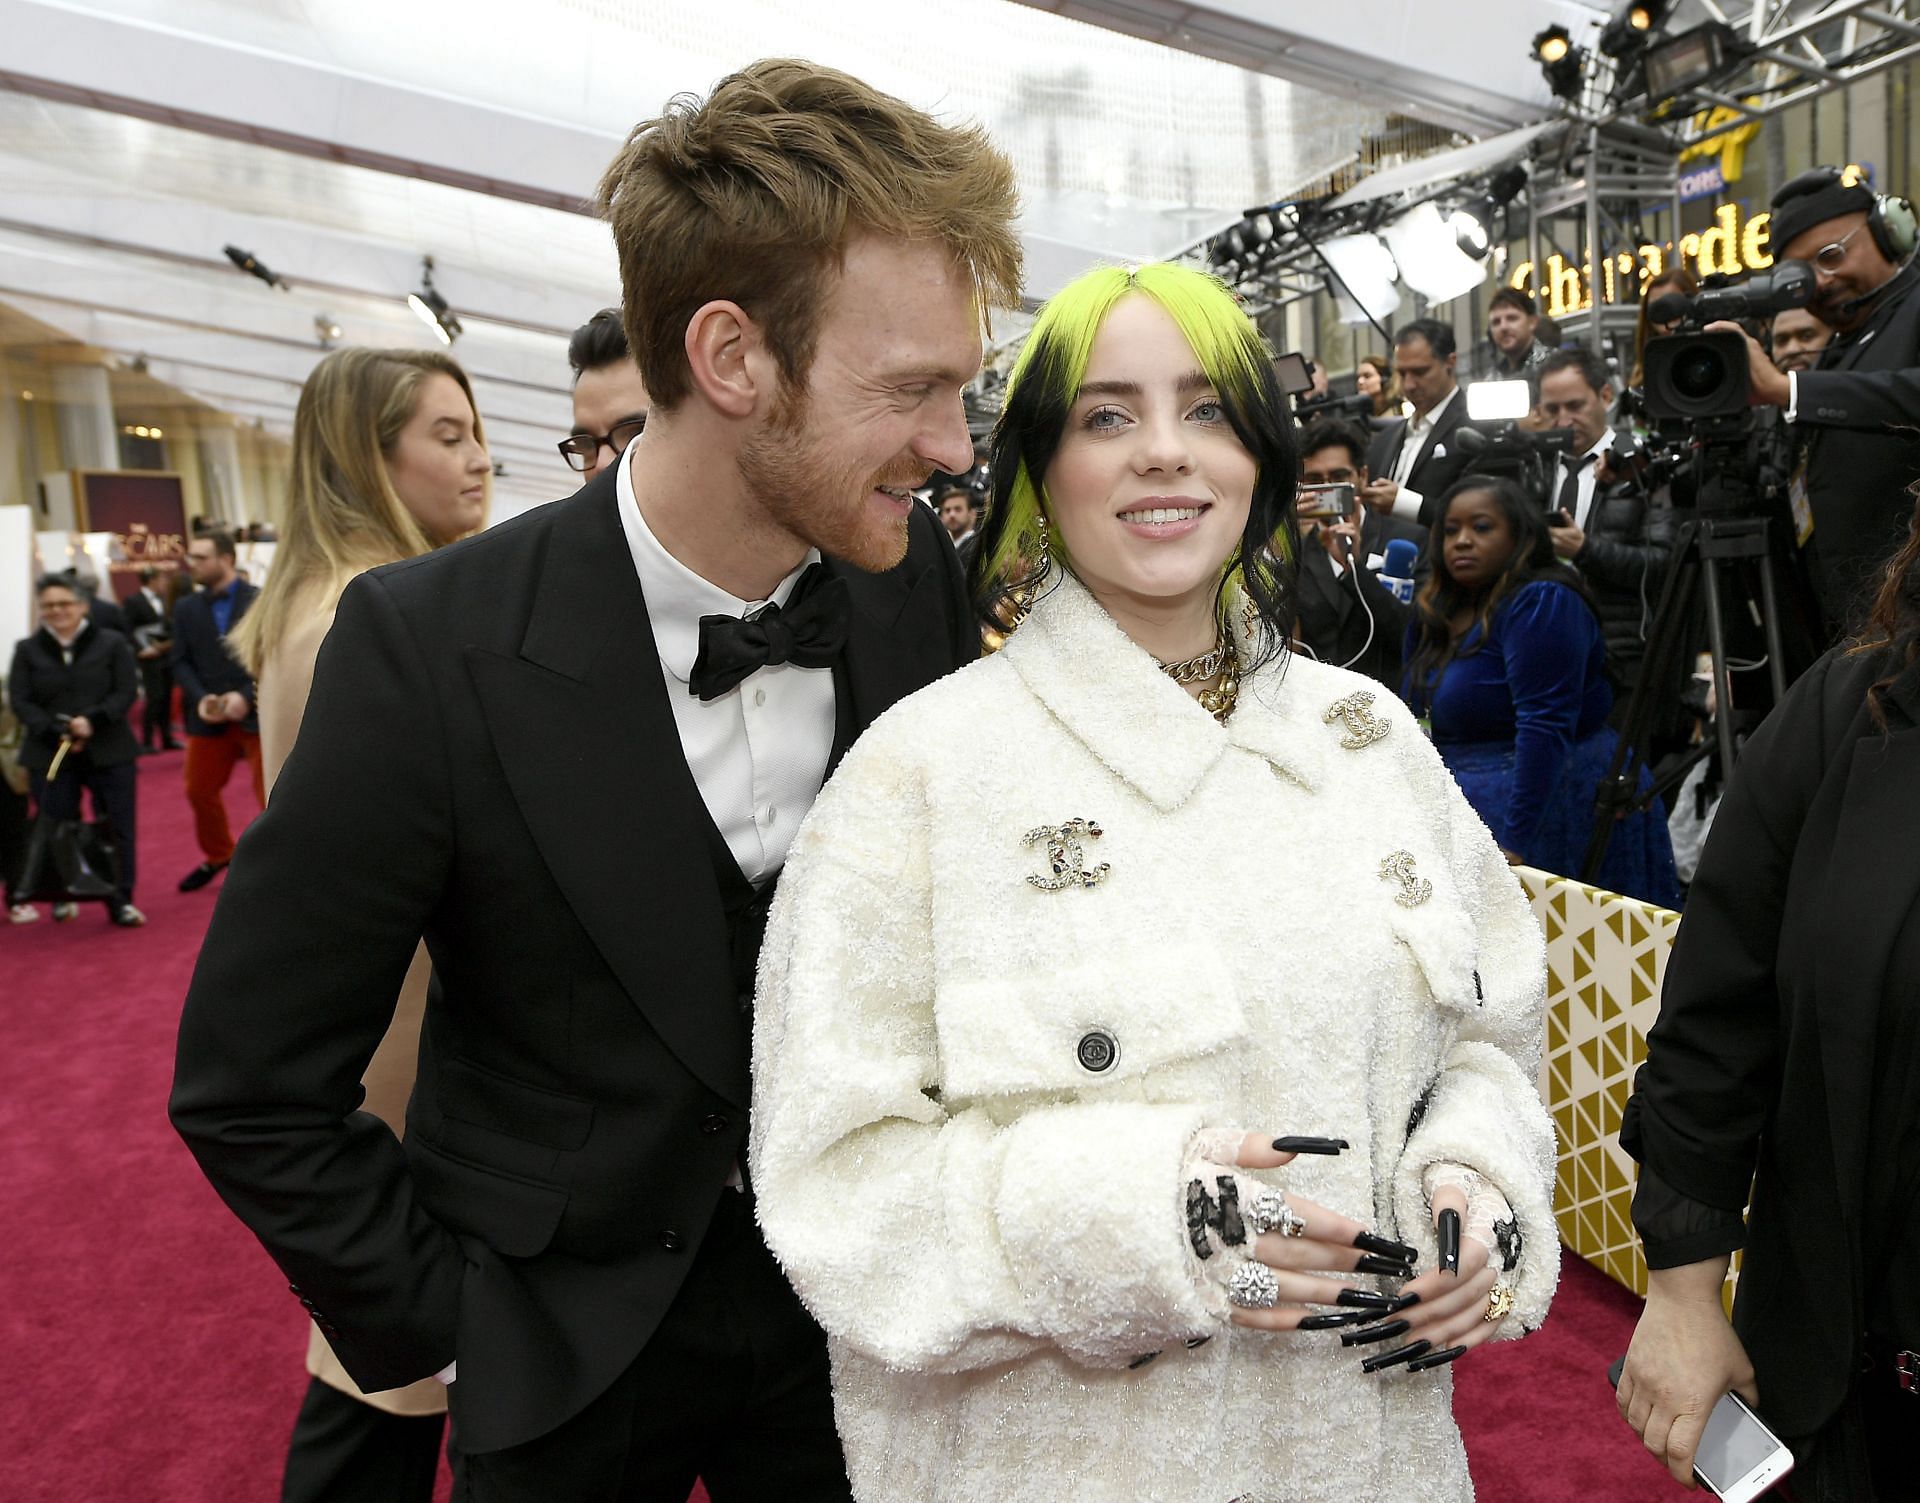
<point x="62" y="912"/>
<point x="23" y="913"/>
<point x="127" y="916"/>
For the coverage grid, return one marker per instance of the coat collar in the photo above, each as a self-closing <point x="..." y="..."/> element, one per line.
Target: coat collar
<point x="1110" y="693"/>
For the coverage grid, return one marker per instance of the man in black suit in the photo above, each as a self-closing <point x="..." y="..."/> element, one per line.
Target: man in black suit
<point x="1860" y="450"/>
<point x="1347" y="616"/>
<point x="1414" y="460"/>
<point x="1603" y="522"/>
<point x="150" y="628"/>
<point x="217" y="699"/>
<point x="571" y="752"/>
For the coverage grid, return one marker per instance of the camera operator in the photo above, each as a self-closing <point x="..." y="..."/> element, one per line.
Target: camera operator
<point x="1347" y="617"/>
<point x="1603" y="522"/>
<point x="1513" y="328"/>
<point x="1413" y="460"/>
<point x="1849" y="494"/>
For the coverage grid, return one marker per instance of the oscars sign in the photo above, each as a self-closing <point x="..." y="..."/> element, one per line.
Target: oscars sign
<point x="145" y="513"/>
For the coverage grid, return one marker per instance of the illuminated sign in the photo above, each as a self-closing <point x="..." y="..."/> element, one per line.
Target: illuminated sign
<point x="1728" y="247"/>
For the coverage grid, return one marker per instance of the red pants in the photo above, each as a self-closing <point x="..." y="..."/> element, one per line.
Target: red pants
<point x="210" y="762"/>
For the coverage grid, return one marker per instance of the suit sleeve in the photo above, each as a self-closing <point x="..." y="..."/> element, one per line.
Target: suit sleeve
<point x="926" y="1237"/>
<point x="123" y="684"/>
<point x="1482" y="1110"/>
<point x="329" y="893"/>
<point x="1713" y="1058"/>
<point x="1873" y="400"/>
<point x="185" y="674"/>
<point x="33" y="715"/>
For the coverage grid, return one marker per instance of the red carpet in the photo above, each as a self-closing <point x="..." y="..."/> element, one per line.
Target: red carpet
<point x="152" y="1353"/>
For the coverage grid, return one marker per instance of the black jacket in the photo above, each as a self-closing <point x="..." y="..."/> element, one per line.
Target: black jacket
<point x="1860" y="409"/>
<point x="100" y="684"/>
<point x="1440" y="462"/>
<point x="1333" y="615"/>
<point x="202" y="662"/>
<point x="1800" y="931"/>
<point x="489" y="759"/>
<point x="1624" y="561"/>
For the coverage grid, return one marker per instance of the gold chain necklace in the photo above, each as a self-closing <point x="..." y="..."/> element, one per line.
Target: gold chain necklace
<point x="1220" y="700"/>
<point x="1198" y="670"/>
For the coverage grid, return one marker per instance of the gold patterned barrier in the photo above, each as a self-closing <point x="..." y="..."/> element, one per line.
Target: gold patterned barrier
<point x="1606" y="960"/>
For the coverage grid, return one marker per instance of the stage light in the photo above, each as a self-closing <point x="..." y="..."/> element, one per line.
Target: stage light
<point x="1551" y="45"/>
<point x="1561" y="63"/>
<point x="1470" y="234"/>
<point x="1627" y="33"/>
<point x="432" y="308"/>
<point x="1428" y="252"/>
<point x="1362" y="285"/>
<point x="1687" y="61"/>
<point x="1498" y="401"/>
<point x="250" y="264"/>
<point x="326" y="330"/>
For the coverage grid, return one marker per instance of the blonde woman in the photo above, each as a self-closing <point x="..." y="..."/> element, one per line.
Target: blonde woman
<point x="1104" y="1185"/>
<point x="389" y="462"/>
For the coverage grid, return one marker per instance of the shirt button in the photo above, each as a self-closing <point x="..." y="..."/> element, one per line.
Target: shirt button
<point x="713" y="1126"/>
<point x="759" y="696"/>
<point x="671" y="1240"/>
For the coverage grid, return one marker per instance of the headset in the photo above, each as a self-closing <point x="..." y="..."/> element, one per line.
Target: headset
<point x="1890" y="221"/>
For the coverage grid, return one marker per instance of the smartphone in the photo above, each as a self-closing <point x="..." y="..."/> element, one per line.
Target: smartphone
<point x="1738" y="1458"/>
<point x="1324" y="503"/>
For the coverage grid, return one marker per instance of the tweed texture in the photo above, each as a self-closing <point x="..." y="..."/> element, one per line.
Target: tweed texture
<point x="990" y="1231"/>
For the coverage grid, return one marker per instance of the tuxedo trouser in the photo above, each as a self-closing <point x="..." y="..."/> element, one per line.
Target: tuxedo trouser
<point x="113" y="790"/>
<point x="344" y="1451"/>
<point x="210" y="762"/>
<point x="733" y="1389"/>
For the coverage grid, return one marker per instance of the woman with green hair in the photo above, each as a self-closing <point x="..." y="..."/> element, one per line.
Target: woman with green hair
<point x="1104" y="1180"/>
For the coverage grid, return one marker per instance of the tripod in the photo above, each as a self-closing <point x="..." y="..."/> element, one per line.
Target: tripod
<point x="1726" y="531"/>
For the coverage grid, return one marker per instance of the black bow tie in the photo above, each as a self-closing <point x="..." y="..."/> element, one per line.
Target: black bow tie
<point x="810" y="631"/>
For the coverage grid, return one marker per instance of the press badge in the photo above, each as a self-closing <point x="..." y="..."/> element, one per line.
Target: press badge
<point x="1802" y="506"/>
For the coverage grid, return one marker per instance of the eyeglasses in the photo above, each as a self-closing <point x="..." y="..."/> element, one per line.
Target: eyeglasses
<point x="1830" y="257"/>
<point x="582" y="449"/>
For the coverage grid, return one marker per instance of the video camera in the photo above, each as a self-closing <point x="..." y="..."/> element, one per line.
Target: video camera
<point x="1295" y="374"/>
<point x="1693" y="375"/>
<point x="1495" y="444"/>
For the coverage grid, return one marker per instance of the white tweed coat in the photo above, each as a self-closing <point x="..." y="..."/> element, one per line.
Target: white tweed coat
<point x="989" y="1231"/>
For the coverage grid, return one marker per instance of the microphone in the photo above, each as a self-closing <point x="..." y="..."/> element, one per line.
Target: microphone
<point x="1396" y="569"/>
<point x="1669" y="308"/>
<point x="1854" y="304"/>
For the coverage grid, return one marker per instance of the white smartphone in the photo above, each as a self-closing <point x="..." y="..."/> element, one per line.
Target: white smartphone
<point x="1738" y="1457"/>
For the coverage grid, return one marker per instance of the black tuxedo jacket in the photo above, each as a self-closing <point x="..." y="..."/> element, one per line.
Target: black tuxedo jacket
<point x="1333" y="614"/>
<point x="201" y="661"/>
<point x="1859" y="412"/>
<point x="489" y="759"/>
<point x="99" y="684"/>
<point x="1629" y="543"/>
<point x="1432" y="471"/>
<point x="1802" y="927"/>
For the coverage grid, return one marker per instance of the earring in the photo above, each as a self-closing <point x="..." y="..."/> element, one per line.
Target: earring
<point x="1042" y="567"/>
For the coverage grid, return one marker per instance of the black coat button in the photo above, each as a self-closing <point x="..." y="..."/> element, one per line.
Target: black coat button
<point x="713" y="1126"/>
<point x="293" y="1288"/>
<point x="672" y="1240"/>
<point x="1097" y="1051"/>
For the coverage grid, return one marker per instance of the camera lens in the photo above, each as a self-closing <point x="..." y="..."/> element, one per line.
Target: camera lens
<point x="1699" y="373"/>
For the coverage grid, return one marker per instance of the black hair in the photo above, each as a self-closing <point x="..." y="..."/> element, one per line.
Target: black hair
<point x="1513" y="297"/>
<point x="222" y="544"/>
<point x="1335" y="433"/>
<point x="1439" y="598"/>
<point x="1593" y="369"/>
<point x="61" y="579"/>
<point x="599" y="342"/>
<point x="1439" y="336"/>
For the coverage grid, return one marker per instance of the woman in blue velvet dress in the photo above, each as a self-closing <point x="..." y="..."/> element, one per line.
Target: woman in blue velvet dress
<point x="1507" y="666"/>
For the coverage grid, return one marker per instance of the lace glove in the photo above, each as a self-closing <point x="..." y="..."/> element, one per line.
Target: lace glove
<point x="1489" y="1219"/>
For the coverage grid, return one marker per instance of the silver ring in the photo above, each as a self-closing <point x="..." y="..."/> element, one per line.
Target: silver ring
<point x="1254" y="1286"/>
<point x="1269" y="1212"/>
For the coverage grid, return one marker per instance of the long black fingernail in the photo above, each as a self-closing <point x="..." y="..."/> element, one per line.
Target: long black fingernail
<point x="1392" y="1268"/>
<point x="1362" y="1299"/>
<point x="1386" y="1247"/>
<point x="1435" y="1359"/>
<point x="1310" y="1145"/>
<point x="1367" y="1335"/>
<point x="1449" y="1230"/>
<point x="1393" y="1358"/>
<point x="1338" y="1319"/>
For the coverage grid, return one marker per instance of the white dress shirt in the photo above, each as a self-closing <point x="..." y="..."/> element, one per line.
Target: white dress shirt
<point x="759" y="752"/>
<point x="1407" y="502"/>
<point x="1588" y="481"/>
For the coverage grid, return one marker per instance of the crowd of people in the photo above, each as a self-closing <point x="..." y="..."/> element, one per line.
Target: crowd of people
<point x="668" y="800"/>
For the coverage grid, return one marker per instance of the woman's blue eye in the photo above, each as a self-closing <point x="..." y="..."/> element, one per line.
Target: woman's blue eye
<point x="1097" y="418"/>
<point x="1209" y="411"/>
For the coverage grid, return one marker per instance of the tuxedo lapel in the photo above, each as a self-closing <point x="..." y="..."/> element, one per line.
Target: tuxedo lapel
<point x="587" y="740"/>
<point x="892" y="637"/>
